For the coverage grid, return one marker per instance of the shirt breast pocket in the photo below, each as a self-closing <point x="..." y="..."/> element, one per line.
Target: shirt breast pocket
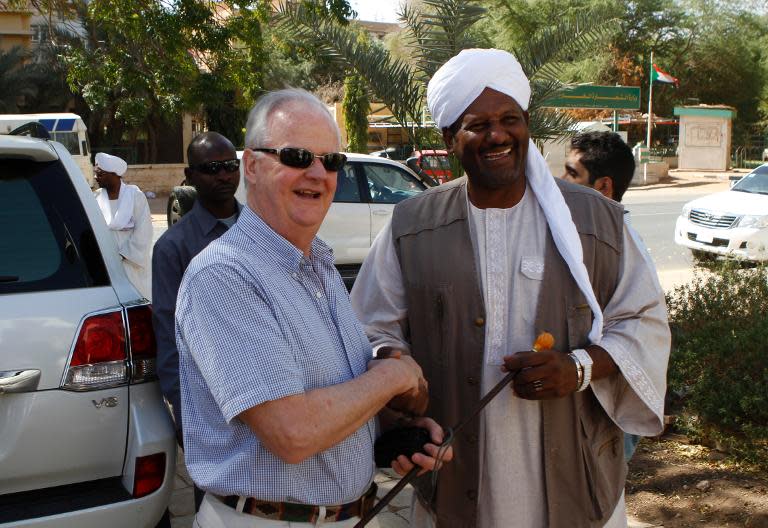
<point x="529" y="285"/>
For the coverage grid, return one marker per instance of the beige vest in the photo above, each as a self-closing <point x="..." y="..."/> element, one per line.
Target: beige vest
<point x="583" y="451"/>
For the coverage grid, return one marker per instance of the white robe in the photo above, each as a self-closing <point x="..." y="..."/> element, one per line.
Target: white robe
<point x="509" y="249"/>
<point x="131" y="226"/>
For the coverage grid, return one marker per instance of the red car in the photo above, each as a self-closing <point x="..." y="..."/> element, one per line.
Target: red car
<point x="432" y="163"/>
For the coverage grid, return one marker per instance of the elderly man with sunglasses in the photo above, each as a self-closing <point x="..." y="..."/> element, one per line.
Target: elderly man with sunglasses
<point x="214" y="172"/>
<point x="279" y="391"/>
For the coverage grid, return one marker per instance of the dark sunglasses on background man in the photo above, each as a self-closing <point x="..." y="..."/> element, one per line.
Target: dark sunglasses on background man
<point x="300" y="158"/>
<point x="213" y="167"/>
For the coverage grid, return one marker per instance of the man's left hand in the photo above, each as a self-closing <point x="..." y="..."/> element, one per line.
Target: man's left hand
<point x="542" y="375"/>
<point x="429" y="461"/>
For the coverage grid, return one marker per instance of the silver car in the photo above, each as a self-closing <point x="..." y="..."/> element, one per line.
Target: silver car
<point x="85" y="440"/>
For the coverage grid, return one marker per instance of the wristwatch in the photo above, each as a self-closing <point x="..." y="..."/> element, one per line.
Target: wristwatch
<point x="583" y="367"/>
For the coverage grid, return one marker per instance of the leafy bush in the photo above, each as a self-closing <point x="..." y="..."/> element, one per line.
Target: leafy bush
<point x="719" y="362"/>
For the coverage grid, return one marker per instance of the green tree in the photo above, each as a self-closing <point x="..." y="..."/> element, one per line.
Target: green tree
<point x="438" y="30"/>
<point x="146" y="62"/>
<point x="716" y="48"/>
<point x="727" y="65"/>
<point x="356" y="106"/>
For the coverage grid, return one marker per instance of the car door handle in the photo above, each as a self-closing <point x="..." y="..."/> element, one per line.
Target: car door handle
<point x="19" y="380"/>
<point x="381" y="212"/>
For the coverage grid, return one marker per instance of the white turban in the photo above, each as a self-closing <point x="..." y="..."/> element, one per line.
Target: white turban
<point x="462" y="79"/>
<point x="453" y="88"/>
<point x="110" y="163"/>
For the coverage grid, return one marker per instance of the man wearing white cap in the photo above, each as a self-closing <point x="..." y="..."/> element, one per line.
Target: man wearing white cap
<point x="126" y="211"/>
<point x="464" y="278"/>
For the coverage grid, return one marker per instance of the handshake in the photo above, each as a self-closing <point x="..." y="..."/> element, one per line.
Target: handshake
<point x="414" y="396"/>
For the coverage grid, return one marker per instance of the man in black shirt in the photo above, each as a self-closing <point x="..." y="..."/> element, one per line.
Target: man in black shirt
<point x="214" y="171"/>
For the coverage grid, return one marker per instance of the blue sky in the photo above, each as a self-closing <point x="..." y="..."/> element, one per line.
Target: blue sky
<point x="377" y="10"/>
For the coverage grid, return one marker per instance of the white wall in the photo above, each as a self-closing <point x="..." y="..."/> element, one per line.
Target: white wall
<point x="705" y="143"/>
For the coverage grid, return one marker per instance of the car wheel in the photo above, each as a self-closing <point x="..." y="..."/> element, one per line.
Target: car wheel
<point x="180" y="202"/>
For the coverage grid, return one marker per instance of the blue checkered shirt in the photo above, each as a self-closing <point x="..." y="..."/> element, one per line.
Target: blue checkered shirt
<point x="257" y="321"/>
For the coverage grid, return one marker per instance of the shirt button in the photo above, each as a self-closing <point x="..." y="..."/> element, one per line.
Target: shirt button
<point x="471" y="494"/>
<point x="471" y="380"/>
<point x="479" y="321"/>
<point x="295" y="275"/>
<point x="319" y="294"/>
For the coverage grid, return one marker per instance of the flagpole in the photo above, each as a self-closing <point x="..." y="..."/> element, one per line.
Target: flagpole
<point x="650" y="104"/>
<point x="650" y="113"/>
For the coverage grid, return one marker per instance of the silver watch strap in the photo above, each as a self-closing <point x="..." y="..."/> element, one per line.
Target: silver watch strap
<point x="585" y="359"/>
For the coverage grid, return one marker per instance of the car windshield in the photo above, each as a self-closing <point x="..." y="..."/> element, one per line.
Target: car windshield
<point x="436" y="162"/>
<point x="754" y="182"/>
<point x="69" y="140"/>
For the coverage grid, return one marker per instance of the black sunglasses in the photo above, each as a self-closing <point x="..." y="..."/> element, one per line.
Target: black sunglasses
<point x="302" y="158"/>
<point x="213" y="167"/>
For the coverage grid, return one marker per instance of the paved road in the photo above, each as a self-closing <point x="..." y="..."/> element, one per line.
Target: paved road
<point x="654" y="211"/>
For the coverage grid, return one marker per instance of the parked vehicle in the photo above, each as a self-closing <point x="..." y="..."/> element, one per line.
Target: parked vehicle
<point x="85" y="438"/>
<point x="367" y="189"/>
<point x="733" y="223"/>
<point x="68" y="129"/>
<point x="434" y="164"/>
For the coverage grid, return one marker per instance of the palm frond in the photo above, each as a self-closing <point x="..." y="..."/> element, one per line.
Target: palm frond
<point x="17" y="79"/>
<point x="390" y="79"/>
<point x="571" y="37"/>
<point x="549" y="123"/>
<point x="438" y="30"/>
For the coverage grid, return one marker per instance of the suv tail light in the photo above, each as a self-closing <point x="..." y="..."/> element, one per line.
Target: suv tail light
<point x="148" y="475"/>
<point x="141" y="338"/>
<point x="99" y="359"/>
<point x="100" y="356"/>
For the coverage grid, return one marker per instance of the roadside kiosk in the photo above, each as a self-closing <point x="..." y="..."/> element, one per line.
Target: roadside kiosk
<point x="705" y="137"/>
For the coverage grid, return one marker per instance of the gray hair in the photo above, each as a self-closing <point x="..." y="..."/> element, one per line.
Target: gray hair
<point x="257" y="128"/>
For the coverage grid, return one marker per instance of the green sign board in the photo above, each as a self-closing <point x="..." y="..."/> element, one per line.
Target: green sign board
<point x="591" y="96"/>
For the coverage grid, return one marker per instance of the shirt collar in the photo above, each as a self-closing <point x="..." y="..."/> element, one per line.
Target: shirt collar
<point x="205" y="219"/>
<point x="258" y="231"/>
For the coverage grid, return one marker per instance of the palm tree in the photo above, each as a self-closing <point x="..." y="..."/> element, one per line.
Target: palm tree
<point x="437" y="31"/>
<point x="17" y="80"/>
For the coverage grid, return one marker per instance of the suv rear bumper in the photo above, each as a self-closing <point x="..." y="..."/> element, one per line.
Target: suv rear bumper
<point x="107" y="502"/>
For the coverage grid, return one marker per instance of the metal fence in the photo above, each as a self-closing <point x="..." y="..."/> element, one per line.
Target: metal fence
<point x="748" y="156"/>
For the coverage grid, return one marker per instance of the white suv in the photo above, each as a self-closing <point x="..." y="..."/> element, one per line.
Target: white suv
<point x="85" y="440"/>
<point x="367" y="189"/>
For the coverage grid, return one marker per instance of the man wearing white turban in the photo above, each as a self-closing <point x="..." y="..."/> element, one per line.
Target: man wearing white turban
<point x="468" y="273"/>
<point x="126" y="211"/>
